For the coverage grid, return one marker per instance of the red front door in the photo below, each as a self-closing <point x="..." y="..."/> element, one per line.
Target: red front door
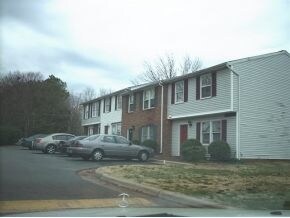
<point x="183" y="134"/>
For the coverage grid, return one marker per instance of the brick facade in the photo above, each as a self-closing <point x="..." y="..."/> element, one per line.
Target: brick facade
<point x="139" y="118"/>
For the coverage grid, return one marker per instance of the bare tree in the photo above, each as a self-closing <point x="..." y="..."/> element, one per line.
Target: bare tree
<point x="103" y="91"/>
<point x="165" y="68"/>
<point x="190" y="65"/>
<point x="88" y="94"/>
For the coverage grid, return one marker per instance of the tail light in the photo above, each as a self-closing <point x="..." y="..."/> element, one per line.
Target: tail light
<point x="38" y="140"/>
<point x="78" y="144"/>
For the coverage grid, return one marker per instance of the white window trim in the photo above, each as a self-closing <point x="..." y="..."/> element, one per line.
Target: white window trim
<point x="86" y="111"/>
<point x="150" y="98"/>
<point x="210" y="130"/>
<point x="175" y="90"/>
<point x="94" y="109"/>
<point x="129" y="103"/>
<point x="119" y="104"/>
<point x="201" y="86"/>
<point x="105" y="101"/>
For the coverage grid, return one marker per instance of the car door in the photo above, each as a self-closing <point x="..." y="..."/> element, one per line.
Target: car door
<point x="125" y="147"/>
<point x="109" y="145"/>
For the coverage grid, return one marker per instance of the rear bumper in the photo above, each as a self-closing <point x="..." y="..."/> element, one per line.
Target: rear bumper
<point x="80" y="151"/>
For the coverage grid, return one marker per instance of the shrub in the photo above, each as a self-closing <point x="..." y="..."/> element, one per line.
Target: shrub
<point x="9" y="135"/>
<point x="151" y="144"/>
<point x="136" y="142"/>
<point x="219" y="151"/>
<point x="192" y="150"/>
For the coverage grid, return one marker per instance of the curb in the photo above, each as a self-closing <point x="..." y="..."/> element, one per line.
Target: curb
<point x="155" y="192"/>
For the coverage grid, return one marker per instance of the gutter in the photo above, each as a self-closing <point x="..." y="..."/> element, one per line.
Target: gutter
<point x="238" y="120"/>
<point x="161" y="119"/>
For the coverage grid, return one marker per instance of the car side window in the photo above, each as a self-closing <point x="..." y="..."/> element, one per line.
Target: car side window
<point x="121" y="140"/>
<point x="109" y="139"/>
<point x="68" y="137"/>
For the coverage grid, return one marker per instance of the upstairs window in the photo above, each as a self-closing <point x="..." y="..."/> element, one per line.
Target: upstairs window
<point x="119" y="102"/>
<point x="94" y="109"/>
<point x="179" y="92"/>
<point x="86" y="111"/>
<point x="206" y="85"/>
<point x="107" y="105"/>
<point x="148" y="99"/>
<point x="131" y="103"/>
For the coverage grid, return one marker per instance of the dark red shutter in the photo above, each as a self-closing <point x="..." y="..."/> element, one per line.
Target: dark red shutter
<point x="213" y="79"/>
<point x="141" y="100"/>
<point x="116" y="102"/>
<point x="110" y="104"/>
<point x="104" y="109"/>
<point x="198" y="131"/>
<point x="84" y="107"/>
<point x="156" y="96"/>
<point x="224" y="130"/>
<point x="125" y="102"/>
<point x="198" y="88"/>
<point x="135" y="101"/>
<point x="185" y="90"/>
<point x="172" y="93"/>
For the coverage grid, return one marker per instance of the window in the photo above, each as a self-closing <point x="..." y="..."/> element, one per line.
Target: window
<point x="216" y="131"/>
<point x="109" y="139"/>
<point x="121" y="140"/>
<point x="205" y="85"/>
<point x="179" y="92"/>
<point x="131" y="103"/>
<point x="211" y="131"/>
<point x="148" y="99"/>
<point x="147" y="133"/>
<point x="116" y="128"/>
<point x="86" y="111"/>
<point x="119" y="102"/>
<point x="94" y="109"/>
<point x="205" y="132"/>
<point x="107" y="105"/>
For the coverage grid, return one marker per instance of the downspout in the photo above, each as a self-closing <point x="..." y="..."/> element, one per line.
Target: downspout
<point x="238" y="121"/>
<point x="161" y="120"/>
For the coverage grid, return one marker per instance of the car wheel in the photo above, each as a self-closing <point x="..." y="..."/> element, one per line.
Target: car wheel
<point x="97" y="155"/>
<point x="50" y="149"/>
<point x="143" y="156"/>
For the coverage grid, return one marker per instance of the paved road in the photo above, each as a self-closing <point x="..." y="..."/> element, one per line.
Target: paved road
<point x="32" y="175"/>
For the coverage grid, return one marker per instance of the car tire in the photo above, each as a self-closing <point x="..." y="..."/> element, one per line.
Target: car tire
<point x="143" y="156"/>
<point x="97" y="155"/>
<point x="50" y="149"/>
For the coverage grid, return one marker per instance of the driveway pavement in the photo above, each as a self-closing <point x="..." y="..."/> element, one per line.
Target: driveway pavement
<point x="31" y="175"/>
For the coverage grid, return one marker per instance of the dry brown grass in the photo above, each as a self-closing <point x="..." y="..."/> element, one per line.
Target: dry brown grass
<point x="254" y="185"/>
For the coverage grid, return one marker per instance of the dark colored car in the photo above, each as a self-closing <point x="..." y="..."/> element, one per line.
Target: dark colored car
<point x="30" y="141"/>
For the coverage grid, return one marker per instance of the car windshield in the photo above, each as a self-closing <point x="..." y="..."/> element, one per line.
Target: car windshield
<point x="129" y="104"/>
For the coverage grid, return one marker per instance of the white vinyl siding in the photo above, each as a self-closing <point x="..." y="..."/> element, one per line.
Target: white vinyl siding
<point x="264" y="107"/>
<point x="222" y="101"/>
<point x="231" y="131"/>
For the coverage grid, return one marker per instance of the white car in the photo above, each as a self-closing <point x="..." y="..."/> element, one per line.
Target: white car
<point x="51" y="143"/>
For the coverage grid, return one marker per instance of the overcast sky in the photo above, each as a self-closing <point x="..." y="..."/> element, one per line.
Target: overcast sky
<point x="103" y="44"/>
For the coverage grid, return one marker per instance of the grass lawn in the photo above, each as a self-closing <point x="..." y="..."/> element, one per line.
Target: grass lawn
<point x="251" y="185"/>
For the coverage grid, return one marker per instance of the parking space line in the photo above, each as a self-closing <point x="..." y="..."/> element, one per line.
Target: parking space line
<point x="47" y="205"/>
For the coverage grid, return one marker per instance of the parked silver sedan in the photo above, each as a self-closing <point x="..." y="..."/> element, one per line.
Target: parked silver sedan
<point x="110" y="146"/>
